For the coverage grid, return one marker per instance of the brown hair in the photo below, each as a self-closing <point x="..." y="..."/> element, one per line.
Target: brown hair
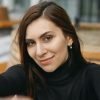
<point x="57" y="15"/>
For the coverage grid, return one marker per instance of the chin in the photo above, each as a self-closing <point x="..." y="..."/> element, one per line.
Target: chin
<point x="49" y="70"/>
<point x="49" y="67"/>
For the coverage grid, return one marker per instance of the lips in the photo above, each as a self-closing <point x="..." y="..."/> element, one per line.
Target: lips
<point x="46" y="61"/>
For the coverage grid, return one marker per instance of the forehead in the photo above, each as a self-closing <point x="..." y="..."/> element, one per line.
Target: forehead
<point x="40" y="26"/>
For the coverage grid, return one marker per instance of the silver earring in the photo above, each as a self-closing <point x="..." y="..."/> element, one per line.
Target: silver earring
<point x="70" y="46"/>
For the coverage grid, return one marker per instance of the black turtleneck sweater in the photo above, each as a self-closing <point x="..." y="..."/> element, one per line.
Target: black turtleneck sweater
<point x="71" y="83"/>
<point x="63" y="84"/>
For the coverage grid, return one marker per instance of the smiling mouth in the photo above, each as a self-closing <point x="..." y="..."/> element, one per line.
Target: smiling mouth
<point x="46" y="61"/>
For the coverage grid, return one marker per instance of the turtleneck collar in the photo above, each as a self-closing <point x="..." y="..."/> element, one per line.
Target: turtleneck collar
<point x="59" y="75"/>
<point x="58" y="85"/>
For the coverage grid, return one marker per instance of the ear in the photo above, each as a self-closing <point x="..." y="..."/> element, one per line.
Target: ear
<point x="69" y="40"/>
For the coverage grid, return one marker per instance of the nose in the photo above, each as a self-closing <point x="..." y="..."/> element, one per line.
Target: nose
<point x="40" y="50"/>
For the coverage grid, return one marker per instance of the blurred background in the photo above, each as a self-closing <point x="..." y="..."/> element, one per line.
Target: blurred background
<point x="84" y="14"/>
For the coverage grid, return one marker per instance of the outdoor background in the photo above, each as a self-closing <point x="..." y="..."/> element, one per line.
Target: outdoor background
<point x="84" y="14"/>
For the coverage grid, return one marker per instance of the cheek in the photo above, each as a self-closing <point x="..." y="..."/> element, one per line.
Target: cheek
<point x="60" y="49"/>
<point x="59" y="46"/>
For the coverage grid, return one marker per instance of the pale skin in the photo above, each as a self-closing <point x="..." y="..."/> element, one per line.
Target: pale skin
<point x="46" y="44"/>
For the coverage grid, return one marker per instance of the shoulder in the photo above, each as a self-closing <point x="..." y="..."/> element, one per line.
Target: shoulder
<point x="16" y="67"/>
<point x="13" y="81"/>
<point x="93" y="68"/>
<point x="90" y="72"/>
<point x="14" y="71"/>
<point x="90" y="68"/>
<point x="93" y="79"/>
<point x="93" y="73"/>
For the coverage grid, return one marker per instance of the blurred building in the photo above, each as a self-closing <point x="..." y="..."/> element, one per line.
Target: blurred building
<point x="84" y="10"/>
<point x="87" y="11"/>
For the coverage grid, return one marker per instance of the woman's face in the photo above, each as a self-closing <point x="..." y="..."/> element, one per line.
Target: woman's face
<point x="46" y="44"/>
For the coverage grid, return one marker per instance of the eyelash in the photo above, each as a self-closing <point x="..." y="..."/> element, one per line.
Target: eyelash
<point x="47" y="38"/>
<point x="30" y="43"/>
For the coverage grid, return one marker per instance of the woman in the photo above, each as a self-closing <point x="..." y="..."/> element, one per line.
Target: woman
<point x="52" y="64"/>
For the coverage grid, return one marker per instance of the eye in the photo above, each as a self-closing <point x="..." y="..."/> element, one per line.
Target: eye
<point x="30" y="43"/>
<point x="47" y="38"/>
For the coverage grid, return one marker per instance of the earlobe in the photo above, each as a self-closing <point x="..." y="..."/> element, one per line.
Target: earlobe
<point x="69" y="41"/>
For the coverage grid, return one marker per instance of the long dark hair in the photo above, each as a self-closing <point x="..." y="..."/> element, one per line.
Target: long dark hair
<point x="57" y="15"/>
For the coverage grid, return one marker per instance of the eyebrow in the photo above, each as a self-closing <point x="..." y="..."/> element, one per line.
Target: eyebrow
<point x="45" y="33"/>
